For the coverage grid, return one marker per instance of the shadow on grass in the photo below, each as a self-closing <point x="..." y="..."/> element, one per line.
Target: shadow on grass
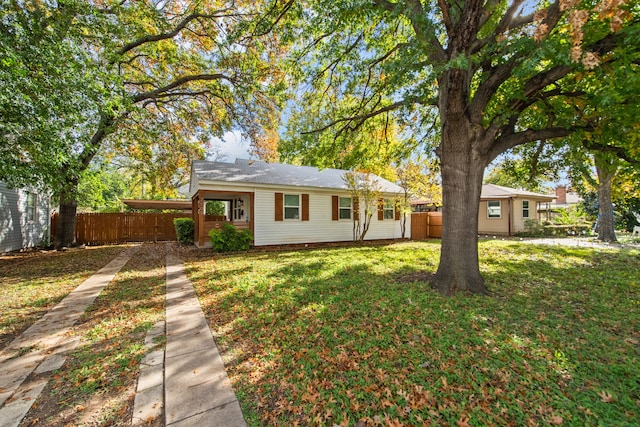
<point x="99" y="375"/>
<point x="33" y="282"/>
<point x="344" y="335"/>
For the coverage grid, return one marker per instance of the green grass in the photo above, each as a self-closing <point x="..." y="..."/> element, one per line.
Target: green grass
<point x="355" y="334"/>
<point x="97" y="383"/>
<point x="32" y="283"/>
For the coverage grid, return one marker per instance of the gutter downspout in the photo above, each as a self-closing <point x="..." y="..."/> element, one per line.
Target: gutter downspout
<point x="509" y="216"/>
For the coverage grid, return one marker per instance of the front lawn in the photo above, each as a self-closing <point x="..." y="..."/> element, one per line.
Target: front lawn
<point x="32" y="283"/>
<point x="355" y="336"/>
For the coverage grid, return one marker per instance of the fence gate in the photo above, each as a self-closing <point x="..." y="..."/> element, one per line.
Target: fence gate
<point x="103" y="228"/>
<point x="426" y="225"/>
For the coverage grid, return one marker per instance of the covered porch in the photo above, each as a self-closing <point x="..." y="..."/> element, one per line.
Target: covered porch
<point x="238" y="210"/>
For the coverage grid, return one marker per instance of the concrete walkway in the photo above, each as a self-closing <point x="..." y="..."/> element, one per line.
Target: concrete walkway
<point x="579" y="242"/>
<point x="197" y="389"/>
<point x="184" y="384"/>
<point x="42" y="347"/>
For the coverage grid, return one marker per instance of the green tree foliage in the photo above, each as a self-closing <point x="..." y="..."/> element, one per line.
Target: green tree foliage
<point x="377" y="145"/>
<point x="420" y="178"/>
<point x="215" y="207"/>
<point x="497" y="74"/>
<point x="152" y="80"/>
<point x="529" y="167"/>
<point x="100" y="189"/>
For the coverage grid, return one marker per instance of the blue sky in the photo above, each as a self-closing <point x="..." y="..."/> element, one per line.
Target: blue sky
<point x="231" y="146"/>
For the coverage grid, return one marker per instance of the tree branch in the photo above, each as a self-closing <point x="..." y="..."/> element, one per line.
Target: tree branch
<point x="361" y="117"/>
<point x="510" y="140"/>
<point x="281" y="15"/>
<point x="388" y="54"/>
<point x="418" y="17"/>
<point x="510" y="21"/>
<point x="179" y="82"/>
<point x="446" y="16"/>
<point x="618" y="151"/>
<point x="171" y="34"/>
<point x="335" y="62"/>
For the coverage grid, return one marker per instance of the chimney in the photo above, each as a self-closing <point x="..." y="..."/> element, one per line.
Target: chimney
<point x="561" y="195"/>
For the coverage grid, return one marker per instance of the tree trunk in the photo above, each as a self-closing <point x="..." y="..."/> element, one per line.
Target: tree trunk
<point x="605" y="225"/>
<point x="459" y="268"/>
<point x="66" y="229"/>
<point x="462" y="168"/>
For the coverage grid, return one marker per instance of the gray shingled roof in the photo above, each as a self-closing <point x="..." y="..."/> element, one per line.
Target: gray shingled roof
<point x="259" y="172"/>
<point x="490" y="191"/>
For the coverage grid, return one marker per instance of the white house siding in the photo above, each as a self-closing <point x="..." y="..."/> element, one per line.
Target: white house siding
<point x="16" y="231"/>
<point x="319" y="228"/>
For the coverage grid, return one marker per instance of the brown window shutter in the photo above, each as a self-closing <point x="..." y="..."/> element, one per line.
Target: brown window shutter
<point x="334" y="208"/>
<point x="305" y="207"/>
<point x="279" y="207"/>
<point x="380" y="209"/>
<point x="397" y="214"/>
<point x="356" y="209"/>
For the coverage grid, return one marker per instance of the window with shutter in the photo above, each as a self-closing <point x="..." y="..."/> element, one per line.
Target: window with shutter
<point x="291" y="206"/>
<point x="345" y="207"/>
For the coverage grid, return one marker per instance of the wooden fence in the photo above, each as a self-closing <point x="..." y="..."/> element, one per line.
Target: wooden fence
<point x="426" y="225"/>
<point x="103" y="228"/>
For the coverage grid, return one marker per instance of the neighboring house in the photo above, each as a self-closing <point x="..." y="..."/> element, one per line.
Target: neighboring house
<point x="565" y="198"/>
<point x="24" y="218"/>
<point x="504" y="210"/>
<point x="286" y="204"/>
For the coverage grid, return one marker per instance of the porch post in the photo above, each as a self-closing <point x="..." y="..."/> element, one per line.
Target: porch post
<point x="201" y="219"/>
<point x="194" y="216"/>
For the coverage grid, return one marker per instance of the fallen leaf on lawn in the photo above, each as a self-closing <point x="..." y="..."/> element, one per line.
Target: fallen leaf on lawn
<point x="79" y="408"/>
<point x="606" y="397"/>
<point x="556" y="420"/>
<point x="463" y="422"/>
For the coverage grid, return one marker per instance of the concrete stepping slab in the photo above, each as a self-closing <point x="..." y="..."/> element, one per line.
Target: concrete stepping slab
<point x="14" y="409"/>
<point x="147" y="406"/>
<point x="197" y="389"/>
<point x="48" y="338"/>
<point x="229" y="415"/>
<point x="148" y="403"/>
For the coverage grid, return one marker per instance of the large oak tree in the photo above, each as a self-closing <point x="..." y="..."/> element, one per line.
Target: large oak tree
<point x="152" y="79"/>
<point x="498" y="74"/>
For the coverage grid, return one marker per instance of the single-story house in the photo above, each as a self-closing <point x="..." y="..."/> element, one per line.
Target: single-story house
<point x="504" y="210"/>
<point x="287" y="204"/>
<point x="25" y="218"/>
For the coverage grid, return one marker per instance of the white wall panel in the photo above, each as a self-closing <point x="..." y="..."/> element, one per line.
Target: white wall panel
<point x="319" y="228"/>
